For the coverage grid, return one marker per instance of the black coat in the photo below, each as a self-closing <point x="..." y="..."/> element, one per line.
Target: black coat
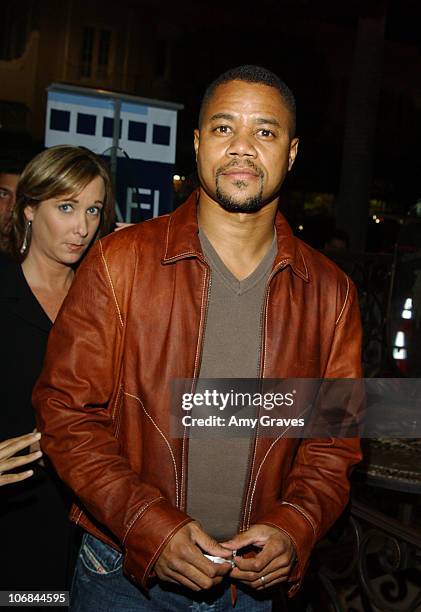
<point x="37" y="540"/>
<point x="24" y="329"/>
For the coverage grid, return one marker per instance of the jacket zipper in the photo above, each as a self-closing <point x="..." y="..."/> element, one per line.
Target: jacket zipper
<point x="247" y="489"/>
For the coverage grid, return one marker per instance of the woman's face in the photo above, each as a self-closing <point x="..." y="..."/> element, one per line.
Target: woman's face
<point x="63" y="227"/>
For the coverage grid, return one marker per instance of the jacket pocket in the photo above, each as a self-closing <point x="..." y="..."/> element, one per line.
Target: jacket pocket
<point x="99" y="558"/>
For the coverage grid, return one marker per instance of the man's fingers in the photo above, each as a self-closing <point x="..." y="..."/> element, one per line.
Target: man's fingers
<point x="282" y="563"/>
<point x="273" y="561"/>
<point x="209" y="545"/>
<point x="11" y="478"/>
<point x="177" y="578"/>
<point x="203" y="580"/>
<point x="257" y="535"/>
<point x="271" y="579"/>
<point x="270" y="576"/>
<point x="257" y="563"/>
<point x="182" y="557"/>
<point x="197" y="559"/>
<point x="276" y="548"/>
<point x="200" y="572"/>
<point x="239" y="541"/>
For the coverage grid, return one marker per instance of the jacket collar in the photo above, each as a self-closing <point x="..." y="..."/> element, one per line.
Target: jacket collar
<point x="182" y="240"/>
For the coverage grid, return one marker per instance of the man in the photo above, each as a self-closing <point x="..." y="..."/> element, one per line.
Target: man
<point x="219" y="288"/>
<point x="9" y="177"/>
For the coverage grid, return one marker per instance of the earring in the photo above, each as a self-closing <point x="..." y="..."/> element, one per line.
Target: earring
<point x="25" y="238"/>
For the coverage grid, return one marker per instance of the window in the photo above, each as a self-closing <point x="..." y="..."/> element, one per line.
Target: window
<point x="87" y="52"/>
<point x="161" y="135"/>
<point x="103" y="53"/>
<point x="108" y="127"/>
<point x="59" y="120"/>
<point x="16" y="23"/>
<point x="137" y="131"/>
<point x="95" y="55"/>
<point x="86" y="124"/>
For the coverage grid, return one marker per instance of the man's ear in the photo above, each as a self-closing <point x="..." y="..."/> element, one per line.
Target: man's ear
<point x="293" y="150"/>
<point x="196" y="139"/>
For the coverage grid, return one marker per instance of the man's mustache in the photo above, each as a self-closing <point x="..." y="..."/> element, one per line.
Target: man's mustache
<point x="235" y="164"/>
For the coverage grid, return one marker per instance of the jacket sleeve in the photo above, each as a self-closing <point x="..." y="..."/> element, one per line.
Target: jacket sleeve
<point x="75" y="416"/>
<point x="317" y="488"/>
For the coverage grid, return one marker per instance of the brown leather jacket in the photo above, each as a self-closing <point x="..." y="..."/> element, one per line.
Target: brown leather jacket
<point x="132" y="322"/>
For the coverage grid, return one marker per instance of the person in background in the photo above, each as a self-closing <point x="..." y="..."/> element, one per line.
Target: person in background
<point x="64" y="202"/>
<point x="10" y="172"/>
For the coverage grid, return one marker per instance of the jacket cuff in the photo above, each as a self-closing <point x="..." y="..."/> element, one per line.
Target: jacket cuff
<point x="148" y="536"/>
<point x="292" y="520"/>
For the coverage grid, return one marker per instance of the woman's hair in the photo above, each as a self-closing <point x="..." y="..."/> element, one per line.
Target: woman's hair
<point x="59" y="171"/>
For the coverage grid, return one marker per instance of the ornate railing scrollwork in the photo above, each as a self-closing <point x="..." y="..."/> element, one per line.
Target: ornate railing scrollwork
<point x="382" y="564"/>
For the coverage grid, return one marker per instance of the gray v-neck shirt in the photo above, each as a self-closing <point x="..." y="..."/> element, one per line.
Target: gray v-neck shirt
<point x="231" y="349"/>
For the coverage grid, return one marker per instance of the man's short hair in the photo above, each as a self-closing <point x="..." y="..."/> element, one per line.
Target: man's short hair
<point x="12" y="166"/>
<point x="252" y="74"/>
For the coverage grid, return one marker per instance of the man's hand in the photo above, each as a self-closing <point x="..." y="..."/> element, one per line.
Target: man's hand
<point x="271" y="565"/>
<point x="9" y="448"/>
<point x="182" y="560"/>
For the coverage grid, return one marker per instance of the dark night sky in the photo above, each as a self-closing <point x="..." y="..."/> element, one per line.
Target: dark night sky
<point x="297" y="40"/>
<point x="309" y="43"/>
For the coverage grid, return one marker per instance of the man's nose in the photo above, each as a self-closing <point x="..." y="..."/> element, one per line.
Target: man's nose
<point x="242" y="145"/>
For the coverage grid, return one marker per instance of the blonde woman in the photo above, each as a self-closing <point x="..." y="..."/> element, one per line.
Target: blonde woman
<point x="64" y="202"/>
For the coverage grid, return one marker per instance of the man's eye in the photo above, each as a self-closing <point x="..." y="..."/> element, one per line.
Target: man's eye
<point x="66" y="208"/>
<point x="223" y="129"/>
<point x="266" y="133"/>
<point x="3" y="193"/>
<point x="94" y="210"/>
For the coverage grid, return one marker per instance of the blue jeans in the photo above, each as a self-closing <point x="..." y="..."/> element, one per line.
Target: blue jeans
<point x="99" y="584"/>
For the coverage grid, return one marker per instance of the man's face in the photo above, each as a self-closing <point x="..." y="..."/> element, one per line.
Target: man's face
<point x="243" y="147"/>
<point x="8" y="184"/>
